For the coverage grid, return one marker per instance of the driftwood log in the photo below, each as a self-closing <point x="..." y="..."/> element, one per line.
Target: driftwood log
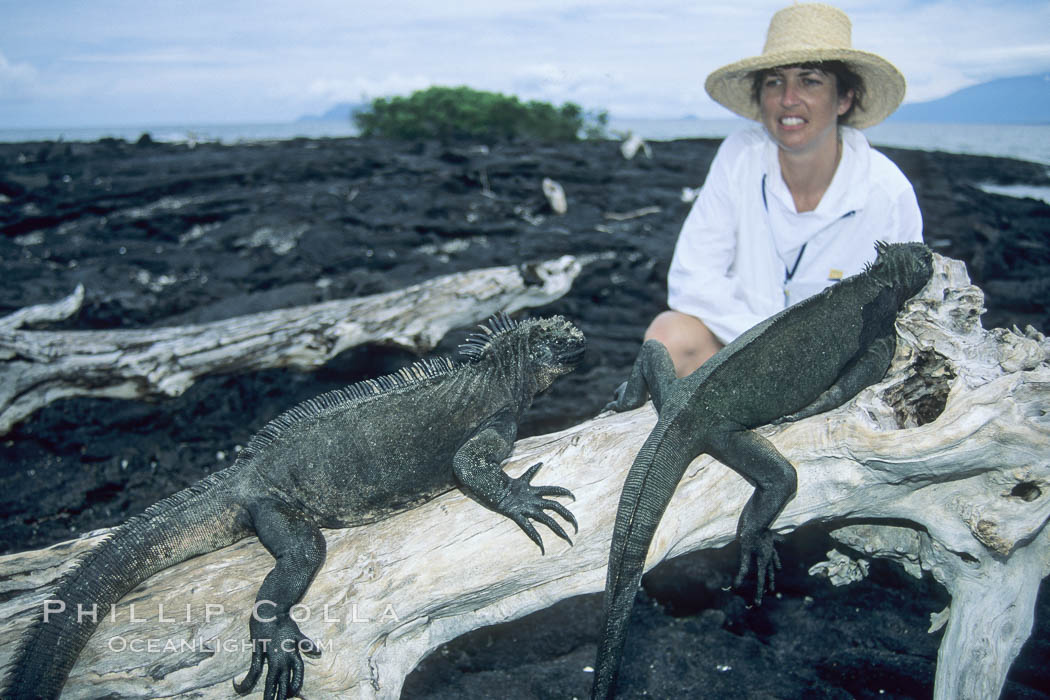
<point x="943" y="466"/>
<point x="38" y="367"/>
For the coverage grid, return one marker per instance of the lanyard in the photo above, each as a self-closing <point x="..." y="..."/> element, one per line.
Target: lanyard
<point x="788" y="273"/>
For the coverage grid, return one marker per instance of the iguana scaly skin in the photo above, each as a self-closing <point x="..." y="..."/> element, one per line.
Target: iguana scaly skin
<point x="345" y="458"/>
<point x="807" y="359"/>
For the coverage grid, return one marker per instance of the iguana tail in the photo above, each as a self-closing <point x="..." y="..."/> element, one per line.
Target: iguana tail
<point x="199" y="519"/>
<point x="650" y="483"/>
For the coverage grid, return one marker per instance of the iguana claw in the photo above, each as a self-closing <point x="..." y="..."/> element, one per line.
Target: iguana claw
<point x="524" y="501"/>
<point x="767" y="561"/>
<point x="277" y="643"/>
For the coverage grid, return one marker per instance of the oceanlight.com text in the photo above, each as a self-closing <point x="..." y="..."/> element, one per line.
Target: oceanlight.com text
<point x="120" y="645"/>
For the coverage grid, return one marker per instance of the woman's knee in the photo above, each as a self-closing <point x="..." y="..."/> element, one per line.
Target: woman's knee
<point x="689" y="341"/>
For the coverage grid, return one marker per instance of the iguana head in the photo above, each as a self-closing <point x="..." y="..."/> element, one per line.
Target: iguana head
<point x="905" y="267"/>
<point x="555" y="348"/>
<point x="545" y="348"/>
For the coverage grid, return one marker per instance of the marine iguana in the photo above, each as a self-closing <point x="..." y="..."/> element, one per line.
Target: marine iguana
<point x="348" y="457"/>
<point x="807" y="359"/>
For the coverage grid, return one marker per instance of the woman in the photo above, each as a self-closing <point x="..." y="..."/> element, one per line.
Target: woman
<point x="795" y="203"/>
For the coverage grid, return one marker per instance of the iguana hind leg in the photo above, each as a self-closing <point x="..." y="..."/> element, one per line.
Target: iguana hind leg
<point x="299" y="548"/>
<point x="757" y="460"/>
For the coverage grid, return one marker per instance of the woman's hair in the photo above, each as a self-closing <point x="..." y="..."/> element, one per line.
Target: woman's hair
<point x="845" y="79"/>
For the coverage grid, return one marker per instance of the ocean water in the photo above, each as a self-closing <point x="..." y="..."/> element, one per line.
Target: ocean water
<point x="187" y="133"/>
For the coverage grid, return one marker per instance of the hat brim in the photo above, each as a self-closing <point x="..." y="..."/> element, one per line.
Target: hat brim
<point x="884" y="85"/>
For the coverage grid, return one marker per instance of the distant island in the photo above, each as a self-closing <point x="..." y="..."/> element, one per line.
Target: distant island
<point x="1020" y="100"/>
<point x="341" y="112"/>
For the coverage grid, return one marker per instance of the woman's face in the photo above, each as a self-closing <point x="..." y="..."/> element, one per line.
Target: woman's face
<point x="800" y="107"/>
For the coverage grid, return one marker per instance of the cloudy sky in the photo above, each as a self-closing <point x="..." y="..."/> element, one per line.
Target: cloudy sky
<point x="68" y="63"/>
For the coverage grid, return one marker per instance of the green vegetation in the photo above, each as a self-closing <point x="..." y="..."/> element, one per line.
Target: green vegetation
<point x="462" y="113"/>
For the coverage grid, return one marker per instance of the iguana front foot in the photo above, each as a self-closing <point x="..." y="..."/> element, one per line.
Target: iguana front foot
<point x="760" y="547"/>
<point x="277" y="642"/>
<point x="524" y="501"/>
<point x="617" y="404"/>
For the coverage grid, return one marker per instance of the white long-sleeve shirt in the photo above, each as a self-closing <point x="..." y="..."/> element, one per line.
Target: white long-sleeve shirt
<point x="732" y="266"/>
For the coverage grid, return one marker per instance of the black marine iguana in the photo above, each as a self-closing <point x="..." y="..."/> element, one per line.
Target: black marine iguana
<point x="345" y="458"/>
<point x="806" y="359"/>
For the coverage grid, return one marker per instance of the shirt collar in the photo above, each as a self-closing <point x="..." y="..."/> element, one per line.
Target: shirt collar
<point x="847" y="191"/>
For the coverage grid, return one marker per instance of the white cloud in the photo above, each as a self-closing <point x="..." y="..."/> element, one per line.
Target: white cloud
<point x="165" y="56"/>
<point x="561" y="83"/>
<point x="354" y="89"/>
<point x="15" y="77"/>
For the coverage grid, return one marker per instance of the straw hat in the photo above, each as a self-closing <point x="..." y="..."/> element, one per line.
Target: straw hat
<point x="805" y="33"/>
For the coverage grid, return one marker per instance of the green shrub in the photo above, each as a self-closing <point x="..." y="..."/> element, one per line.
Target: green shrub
<point x="461" y="113"/>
